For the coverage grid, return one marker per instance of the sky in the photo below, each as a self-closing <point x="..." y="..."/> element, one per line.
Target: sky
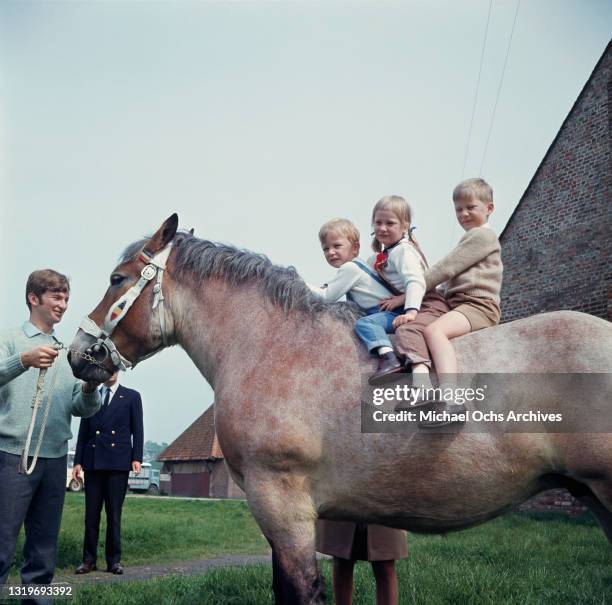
<point x="257" y="122"/>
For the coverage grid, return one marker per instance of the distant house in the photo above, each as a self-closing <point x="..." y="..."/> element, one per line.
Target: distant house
<point x="193" y="463"/>
<point x="556" y="246"/>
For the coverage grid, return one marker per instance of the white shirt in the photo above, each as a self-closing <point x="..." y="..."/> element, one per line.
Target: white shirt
<point x="113" y="390"/>
<point x="364" y="289"/>
<point x="406" y="271"/>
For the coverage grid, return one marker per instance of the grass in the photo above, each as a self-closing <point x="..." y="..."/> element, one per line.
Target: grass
<point x="517" y="559"/>
<point x="162" y="529"/>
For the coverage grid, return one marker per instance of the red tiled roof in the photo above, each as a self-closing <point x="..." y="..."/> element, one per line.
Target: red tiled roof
<point x="197" y="442"/>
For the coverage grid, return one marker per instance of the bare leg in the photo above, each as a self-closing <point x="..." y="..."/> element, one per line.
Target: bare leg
<point x="386" y="582"/>
<point x="437" y="336"/>
<point x="343" y="581"/>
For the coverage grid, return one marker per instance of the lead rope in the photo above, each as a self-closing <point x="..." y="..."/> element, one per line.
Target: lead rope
<point x="36" y="404"/>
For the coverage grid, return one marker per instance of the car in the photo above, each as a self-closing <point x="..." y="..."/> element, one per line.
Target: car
<point x="146" y="482"/>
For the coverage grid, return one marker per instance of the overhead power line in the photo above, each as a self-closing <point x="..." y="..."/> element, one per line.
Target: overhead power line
<point x="499" y="88"/>
<point x="482" y="54"/>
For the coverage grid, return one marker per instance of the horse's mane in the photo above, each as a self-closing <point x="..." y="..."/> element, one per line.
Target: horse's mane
<point x="203" y="259"/>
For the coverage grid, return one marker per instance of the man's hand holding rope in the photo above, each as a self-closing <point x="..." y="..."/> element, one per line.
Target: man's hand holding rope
<point x="40" y="357"/>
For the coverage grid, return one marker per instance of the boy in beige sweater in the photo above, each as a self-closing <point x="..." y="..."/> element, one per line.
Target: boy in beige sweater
<point x="472" y="277"/>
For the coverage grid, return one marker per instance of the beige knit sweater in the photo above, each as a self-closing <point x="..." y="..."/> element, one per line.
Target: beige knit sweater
<point x="473" y="267"/>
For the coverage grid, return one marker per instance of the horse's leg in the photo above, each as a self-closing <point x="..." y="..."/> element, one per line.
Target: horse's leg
<point x="284" y="511"/>
<point x="598" y="500"/>
<point x="590" y="465"/>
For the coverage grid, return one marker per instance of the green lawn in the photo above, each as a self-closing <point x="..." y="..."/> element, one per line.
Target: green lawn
<point x="162" y="529"/>
<point x="519" y="559"/>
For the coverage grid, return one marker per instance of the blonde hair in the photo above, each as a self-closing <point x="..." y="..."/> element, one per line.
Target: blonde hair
<point x="342" y="227"/>
<point x="473" y="188"/>
<point x="401" y="208"/>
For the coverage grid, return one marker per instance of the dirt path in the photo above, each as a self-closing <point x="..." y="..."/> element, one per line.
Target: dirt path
<point x="178" y="568"/>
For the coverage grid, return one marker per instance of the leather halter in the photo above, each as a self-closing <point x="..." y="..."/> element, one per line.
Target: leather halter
<point x="154" y="267"/>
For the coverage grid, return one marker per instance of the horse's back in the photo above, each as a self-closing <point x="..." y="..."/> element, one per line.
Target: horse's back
<point x="561" y="341"/>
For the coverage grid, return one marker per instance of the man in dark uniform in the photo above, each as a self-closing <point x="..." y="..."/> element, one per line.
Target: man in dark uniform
<point x="109" y="446"/>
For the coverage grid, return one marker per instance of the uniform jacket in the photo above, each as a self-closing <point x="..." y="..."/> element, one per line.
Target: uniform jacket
<point x="112" y="438"/>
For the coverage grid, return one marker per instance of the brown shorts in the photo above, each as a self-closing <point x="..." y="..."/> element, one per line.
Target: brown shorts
<point x="348" y="540"/>
<point x="480" y="312"/>
<point x="409" y="340"/>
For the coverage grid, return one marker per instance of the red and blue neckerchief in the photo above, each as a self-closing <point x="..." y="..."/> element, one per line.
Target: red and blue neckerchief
<point x="382" y="257"/>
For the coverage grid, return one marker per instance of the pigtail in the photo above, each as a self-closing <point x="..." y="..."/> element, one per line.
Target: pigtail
<point x="376" y="245"/>
<point x="414" y="242"/>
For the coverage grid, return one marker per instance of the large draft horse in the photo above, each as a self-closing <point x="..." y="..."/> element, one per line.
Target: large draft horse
<point x="286" y="371"/>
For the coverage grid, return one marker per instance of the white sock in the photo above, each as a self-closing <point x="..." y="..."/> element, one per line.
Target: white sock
<point x="422" y="379"/>
<point x="383" y="350"/>
<point x="420" y="376"/>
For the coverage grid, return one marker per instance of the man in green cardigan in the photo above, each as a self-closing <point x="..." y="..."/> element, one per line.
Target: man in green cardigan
<point x="36" y="500"/>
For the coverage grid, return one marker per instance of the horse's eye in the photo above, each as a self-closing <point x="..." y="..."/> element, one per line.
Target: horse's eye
<point x="116" y="279"/>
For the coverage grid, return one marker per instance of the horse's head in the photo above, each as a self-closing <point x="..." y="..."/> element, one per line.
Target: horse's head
<point x="132" y="312"/>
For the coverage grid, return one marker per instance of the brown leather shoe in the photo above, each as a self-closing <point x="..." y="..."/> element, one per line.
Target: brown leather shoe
<point x="388" y="363"/>
<point x="85" y="567"/>
<point x="446" y="414"/>
<point x="115" y="568"/>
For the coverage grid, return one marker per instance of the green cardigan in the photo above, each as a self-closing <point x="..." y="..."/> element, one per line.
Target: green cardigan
<point x="17" y="389"/>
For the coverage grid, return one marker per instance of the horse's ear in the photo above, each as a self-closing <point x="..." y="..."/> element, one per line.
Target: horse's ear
<point x="163" y="235"/>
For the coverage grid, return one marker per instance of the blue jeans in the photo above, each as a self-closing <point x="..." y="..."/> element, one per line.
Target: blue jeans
<point x="372" y="329"/>
<point x="35" y="501"/>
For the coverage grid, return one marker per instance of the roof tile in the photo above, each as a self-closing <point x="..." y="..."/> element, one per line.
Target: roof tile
<point x="197" y="442"/>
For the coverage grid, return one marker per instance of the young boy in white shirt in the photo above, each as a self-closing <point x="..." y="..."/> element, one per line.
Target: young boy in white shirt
<point x="340" y="243"/>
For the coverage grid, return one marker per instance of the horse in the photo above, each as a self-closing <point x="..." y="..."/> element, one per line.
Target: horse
<point x="286" y="371"/>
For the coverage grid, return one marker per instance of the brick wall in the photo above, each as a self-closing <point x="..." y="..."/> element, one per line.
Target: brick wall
<point x="556" y="246"/>
<point x="554" y="500"/>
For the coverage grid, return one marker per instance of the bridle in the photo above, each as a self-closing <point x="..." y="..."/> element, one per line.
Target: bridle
<point x="155" y="265"/>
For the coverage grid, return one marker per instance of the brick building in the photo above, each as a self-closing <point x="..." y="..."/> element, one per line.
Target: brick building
<point x="556" y="246"/>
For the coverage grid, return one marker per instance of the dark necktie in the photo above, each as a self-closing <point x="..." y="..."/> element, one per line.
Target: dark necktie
<point x="106" y="400"/>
